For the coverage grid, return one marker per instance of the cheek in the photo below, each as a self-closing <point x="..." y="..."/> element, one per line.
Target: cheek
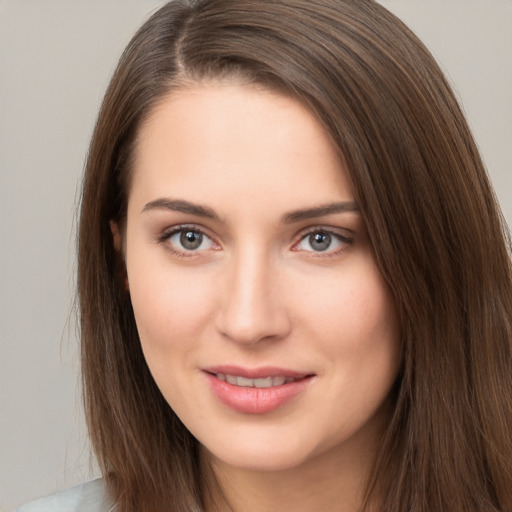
<point x="355" y="311"/>
<point x="355" y="325"/>
<point x="358" y="329"/>
<point x="171" y="305"/>
<point x="172" y="312"/>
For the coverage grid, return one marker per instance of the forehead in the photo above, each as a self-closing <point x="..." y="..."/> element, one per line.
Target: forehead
<point x="201" y="141"/>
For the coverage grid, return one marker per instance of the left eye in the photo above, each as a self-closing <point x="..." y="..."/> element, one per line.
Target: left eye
<point x="321" y="241"/>
<point x="190" y="240"/>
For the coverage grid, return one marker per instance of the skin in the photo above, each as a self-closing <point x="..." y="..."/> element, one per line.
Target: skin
<point x="257" y="292"/>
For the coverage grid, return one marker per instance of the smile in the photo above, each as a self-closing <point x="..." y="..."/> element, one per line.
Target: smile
<point x="265" y="382"/>
<point x="257" y="390"/>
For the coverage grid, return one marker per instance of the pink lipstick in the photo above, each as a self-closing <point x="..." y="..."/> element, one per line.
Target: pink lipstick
<point x="257" y="390"/>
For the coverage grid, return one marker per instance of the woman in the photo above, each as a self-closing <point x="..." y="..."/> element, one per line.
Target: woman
<point x="294" y="281"/>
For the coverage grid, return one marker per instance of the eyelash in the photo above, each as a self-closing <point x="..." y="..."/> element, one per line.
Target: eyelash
<point x="344" y="240"/>
<point x="165" y="236"/>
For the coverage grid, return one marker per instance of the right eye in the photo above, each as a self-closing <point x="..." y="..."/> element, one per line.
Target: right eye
<point x="187" y="240"/>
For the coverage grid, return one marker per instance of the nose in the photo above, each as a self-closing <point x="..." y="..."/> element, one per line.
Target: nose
<point x="252" y="306"/>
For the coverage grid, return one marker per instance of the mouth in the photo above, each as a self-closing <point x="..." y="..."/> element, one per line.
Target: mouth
<point x="256" y="391"/>
<point x="261" y="383"/>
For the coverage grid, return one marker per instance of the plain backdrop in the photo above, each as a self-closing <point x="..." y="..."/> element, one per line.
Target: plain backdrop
<point x="56" y="58"/>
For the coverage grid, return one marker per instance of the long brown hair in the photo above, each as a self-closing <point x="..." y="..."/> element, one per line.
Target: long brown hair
<point x="437" y="233"/>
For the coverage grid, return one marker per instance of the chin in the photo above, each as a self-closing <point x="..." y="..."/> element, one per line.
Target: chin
<point x="260" y="456"/>
<point x="263" y="462"/>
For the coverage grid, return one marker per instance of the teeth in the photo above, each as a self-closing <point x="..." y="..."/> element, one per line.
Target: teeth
<point x="232" y="379"/>
<point x="265" y="382"/>
<point x="244" y="383"/>
<point x="279" y="381"/>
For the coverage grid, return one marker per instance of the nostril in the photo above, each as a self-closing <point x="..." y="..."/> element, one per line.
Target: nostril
<point x="250" y="307"/>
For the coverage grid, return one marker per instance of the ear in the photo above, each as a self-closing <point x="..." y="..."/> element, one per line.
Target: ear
<point x="117" y="238"/>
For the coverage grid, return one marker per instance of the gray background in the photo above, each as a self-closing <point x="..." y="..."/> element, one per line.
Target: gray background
<point x="55" y="60"/>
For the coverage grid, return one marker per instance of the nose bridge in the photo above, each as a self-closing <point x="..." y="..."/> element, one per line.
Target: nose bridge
<point x="251" y="307"/>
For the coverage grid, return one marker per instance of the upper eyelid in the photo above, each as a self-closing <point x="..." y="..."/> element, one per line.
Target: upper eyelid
<point x="168" y="232"/>
<point x="347" y="239"/>
<point x="343" y="233"/>
<point x="164" y="238"/>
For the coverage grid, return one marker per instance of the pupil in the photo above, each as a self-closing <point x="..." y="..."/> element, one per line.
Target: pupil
<point x="191" y="240"/>
<point x="320" y="241"/>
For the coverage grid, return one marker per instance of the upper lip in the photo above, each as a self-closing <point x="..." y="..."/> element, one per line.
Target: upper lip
<point x="256" y="373"/>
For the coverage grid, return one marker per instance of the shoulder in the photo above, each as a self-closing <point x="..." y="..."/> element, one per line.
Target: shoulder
<point x="89" y="497"/>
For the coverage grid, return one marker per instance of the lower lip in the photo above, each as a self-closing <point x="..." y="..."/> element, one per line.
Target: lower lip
<point x="252" y="400"/>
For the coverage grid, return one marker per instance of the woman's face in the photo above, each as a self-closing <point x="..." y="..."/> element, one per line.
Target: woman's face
<point x="261" y="311"/>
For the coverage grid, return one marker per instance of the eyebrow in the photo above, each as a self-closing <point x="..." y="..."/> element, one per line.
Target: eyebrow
<point x="319" y="211"/>
<point x="180" y="205"/>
